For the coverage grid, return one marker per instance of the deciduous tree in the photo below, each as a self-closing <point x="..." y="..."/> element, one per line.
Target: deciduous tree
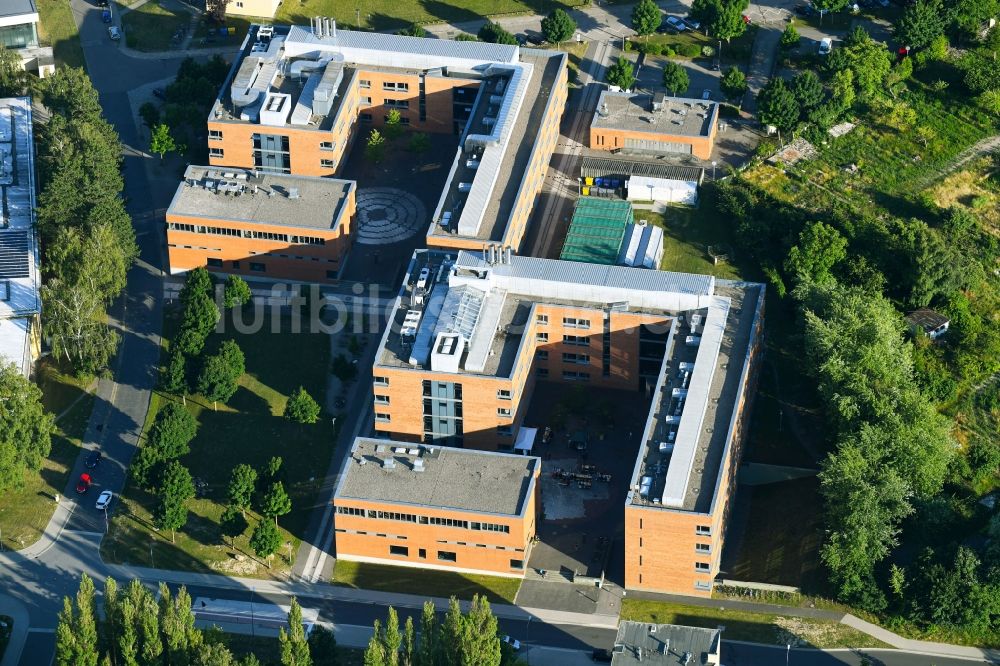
<point x="265" y="540"/>
<point x="25" y="428"/>
<point x="558" y="26"/>
<point x="808" y="91"/>
<point x="301" y="408"/>
<point x="175" y="489"/>
<point x="675" y="78"/>
<point x="920" y="23"/>
<point x="646" y="17"/>
<point x="790" y="37"/>
<point x="294" y="647"/>
<point x="729" y="21"/>
<point x="242" y="484"/>
<point x="621" y="74"/>
<point x="173" y="379"/>
<point x="494" y="33"/>
<point x="161" y="142"/>
<point x="172" y="431"/>
<point x="776" y="105"/>
<point x="276" y="502"/>
<point x="219" y="376"/>
<point x="237" y="292"/>
<point x="734" y="84"/>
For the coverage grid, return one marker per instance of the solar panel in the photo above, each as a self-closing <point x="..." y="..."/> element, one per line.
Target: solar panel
<point x="15" y="254"/>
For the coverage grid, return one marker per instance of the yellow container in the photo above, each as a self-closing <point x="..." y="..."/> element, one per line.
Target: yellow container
<point x="586" y="191"/>
<point x="589" y="180"/>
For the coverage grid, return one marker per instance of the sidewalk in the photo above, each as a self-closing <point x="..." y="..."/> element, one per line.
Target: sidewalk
<point x="16" y="610"/>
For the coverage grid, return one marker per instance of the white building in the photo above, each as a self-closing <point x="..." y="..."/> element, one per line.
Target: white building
<point x="19" y="32"/>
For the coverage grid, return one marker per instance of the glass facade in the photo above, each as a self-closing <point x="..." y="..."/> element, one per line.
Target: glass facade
<point x="19" y="36"/>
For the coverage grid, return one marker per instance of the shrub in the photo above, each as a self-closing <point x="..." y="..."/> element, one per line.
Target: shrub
<point x="708" y="51"/>
<point x="690" y="50"/>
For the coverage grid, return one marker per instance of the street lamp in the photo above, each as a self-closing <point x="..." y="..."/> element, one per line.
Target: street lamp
<point x="714" y="164"/>
<point x="152" y="562"/>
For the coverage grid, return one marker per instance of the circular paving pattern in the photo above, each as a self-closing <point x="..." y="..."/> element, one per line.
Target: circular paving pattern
<point x="388" y="215"/>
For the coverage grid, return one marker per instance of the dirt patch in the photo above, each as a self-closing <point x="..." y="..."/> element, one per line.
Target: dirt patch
<point x="240" y="565"/>
<point x="973" y="190"/>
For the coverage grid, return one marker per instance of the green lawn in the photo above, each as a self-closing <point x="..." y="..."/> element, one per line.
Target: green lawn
<point x="687" y="233"/>
<point x="239" y="26"/>
<point x="386" y="15"/>
<point x="151" y="27"/>
<point x="249" y="430"/>
<point x="752" y="627"/>
<point x="736" y="52"/>
<point x="24" y="512"/>
<point x="425" y="582"/>
<point x="58" y="30"/>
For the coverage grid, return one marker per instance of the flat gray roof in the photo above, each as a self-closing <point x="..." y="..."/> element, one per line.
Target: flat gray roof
<point x="633" y="112"/>
<point x="17" y="7"/>
<point x="304" y="202"/>
<point x="662" y="644"/>
<point x="476" y="481"/>
<point x="601" y="165"/>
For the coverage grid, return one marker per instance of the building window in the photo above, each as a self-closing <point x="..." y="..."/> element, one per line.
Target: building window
<point x="541" y="373"/>
<point x="577" y="340"/>
<point x="422" y="553"/>
<point x="504" y="412"/>
<point x="573" y="322"/>
<point x="365" y="117"/>
<point x="216" y="152"/>
<point x="447" y="556"/>
<point x="215" y="135"/>
<point x="239" y="5"/>
<point x="542" y="355"/>
<point x="703" y="548"/>
<point x="366" y="100"/>
<point x="380" y="381"/>
<point x="517" y="564"/>
<point x="702" y="566"/>
<point x="214" y="263"/>
<point x="571" y="376"/>
<point x="542" y="319"/>
<point x="381" y="399"/>
<point x="236" y="264"/>
<point x="327" y="164"/>
<point x="399" y="550"/>
<point x="326" y="145"/>
<point x="391" y="85"/>
<point x="579" y="359"/>
<point x="541" y="337"/>
<point x="382" y="418"/>
<point x="702" y="585"/>
<point x="703" y="530"/>
<point x="397" y="103"/>
<point x="255" y="266"/>
<point x="505" y="430"/>
<point x="503" y="394"/>
<point x="331" y="275"/>
<point x="364" y="83"/>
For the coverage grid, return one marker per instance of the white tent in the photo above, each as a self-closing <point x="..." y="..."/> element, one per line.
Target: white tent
<point x="668" y="190"/>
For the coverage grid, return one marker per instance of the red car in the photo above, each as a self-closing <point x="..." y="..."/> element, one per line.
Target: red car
<point x="83" y="484"/>
<point x="746" y="19"/>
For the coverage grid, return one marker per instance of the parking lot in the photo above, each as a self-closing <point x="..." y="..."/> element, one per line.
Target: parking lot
<point x="586" y="466"/>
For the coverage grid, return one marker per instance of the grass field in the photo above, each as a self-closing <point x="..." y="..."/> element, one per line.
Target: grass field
<point x="687" y="233"/>
<point x="386" y="15"/>
<point x="250" y="429"/>
<point x="425" y="582"/>
<point x="736" y="52"/>
<point x="58" y="29"/>
<point x="25" y="511"/>
<point x="752" y="627"/>
<point x="150" y="27"/>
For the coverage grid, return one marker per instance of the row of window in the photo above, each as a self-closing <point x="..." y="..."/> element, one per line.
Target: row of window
<point x="699" y="530"/>
<point x="567" y="357"/>
<point x="246" y="233"/>
<point x="367" y="118"/>
<point x="568" y="322"/>
<point x="325" y="164"/>
<point x="442" y="555"/>
<point x="386" y="85"/>
<point x="423" y="520"/>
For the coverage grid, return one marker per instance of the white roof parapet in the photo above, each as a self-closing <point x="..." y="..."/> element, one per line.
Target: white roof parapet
<point x="689" y="430"/>
<point x="570" y="280"/>
<point x="377" y="49"/>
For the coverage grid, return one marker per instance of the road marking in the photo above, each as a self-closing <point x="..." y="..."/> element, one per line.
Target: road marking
<point x="41" y="630"/>
<point x="85" y="533"/>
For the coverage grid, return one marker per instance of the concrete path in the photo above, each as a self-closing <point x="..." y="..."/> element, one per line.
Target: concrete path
<point x="762" y="60"/>
<point x="19" y="632"/>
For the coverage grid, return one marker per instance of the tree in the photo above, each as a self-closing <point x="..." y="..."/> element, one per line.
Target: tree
<point x="393" y="124"/>
<point x="830" y="5"/>
<point x="161" y="142"/>
<point x="78" y="632"/>
<point x="276" y="502"/>
<point x="979" y="70"/>
<point x="221" y="372"/>
<point x="921" y="23"/>
<point x="413" y="30"/>
<point x="427" y="649"/>
<point x="232" y="523"/>
<point x="776" y="106"/>
<point x="729" y="21"/>
<point x="808" y="91"/>
<point x="842" y="89"/>
<point x="176" y="488"/>
<point x="495" y="34"/>
<point x="236" y="293"/>
<point x="705" y="11"/>
<point x="675" y="78"/>
<point x="197" y="282"/>
<point x="375" y="652"/>
<point x="868" y="60"/>
<point x="25" y="428"/>
<point x="734" y="83"/>
<point x="392" y="640"/>
<point x="820" y="248"/>
<point x="419" y="143"/>
<point x="199" y="319"/>
<point x="409" y="655"/>
<point x="13" y="78"/>
<point x="217" y="10"/>
<point x="294" y="648"/>
<point x="172" y="431"/>
<point x="621" y="74"/>
<point x="375" y="147"/>
<point x="646" y="17"/>
<point x="265" y="540"/>
<point x="481" y="644"/>
<point x="790" y="37"/>
<point x="301" y="408"/>
<point x="323" y="646"/>
<point x="969" y="16"/>
<point x="150" y="114"/>
<point x="558" y="26"/>
<point x="242" y="483"/>
<point x="173" y="379"/>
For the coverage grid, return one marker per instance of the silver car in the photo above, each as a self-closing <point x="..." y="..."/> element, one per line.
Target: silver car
<point x="104" y="500"/>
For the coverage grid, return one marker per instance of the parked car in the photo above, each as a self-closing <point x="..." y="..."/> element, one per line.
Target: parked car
<point x="114" y="33"/>
<point x="104" y="500"/>
<point x="514" y="644"/>
<point x="747" y="19"/>
<point x="84" y="483"/>
<point x="601" y="655"/>
<point x="106" y="14"/>
<point x="825" y="46"/>
<point x="676" y="23"/>
<point x="706" y="94"/>
<point x="691" y="23"/>
<point x="93" y="460"/>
